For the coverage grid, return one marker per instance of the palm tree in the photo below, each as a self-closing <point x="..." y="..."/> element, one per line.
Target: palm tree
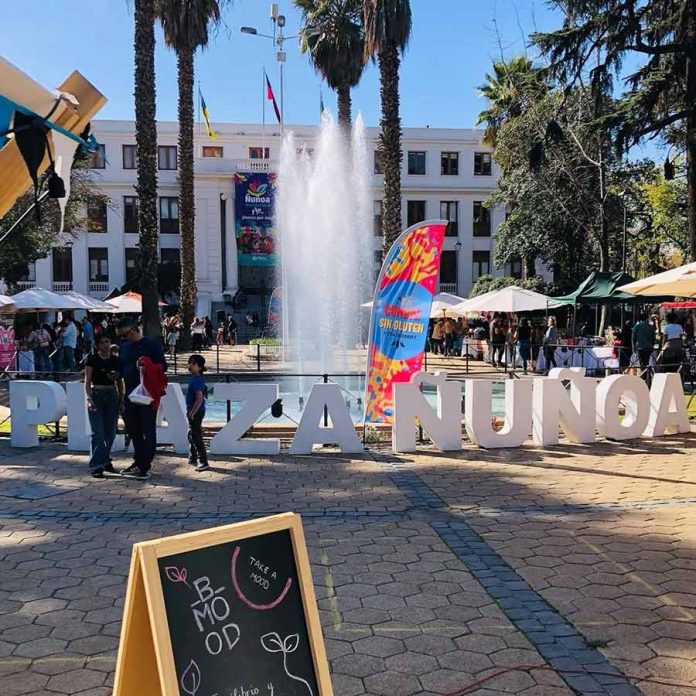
<point x="186" y="25"/>
<point x="332" y="35"/>
<point x="506" y="92"/>
<point x="146" y="150"/>
<point x="387" y="31"/>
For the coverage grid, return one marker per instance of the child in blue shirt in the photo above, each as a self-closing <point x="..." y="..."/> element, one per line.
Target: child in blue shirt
<point x="195" y="410"/>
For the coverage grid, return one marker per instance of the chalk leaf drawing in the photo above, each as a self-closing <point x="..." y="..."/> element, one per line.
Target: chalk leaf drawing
<point x="244" y="598"/>
<point x="191" y="678"/>
<point x="273" y="643"/>
<point x="177" y="575"/>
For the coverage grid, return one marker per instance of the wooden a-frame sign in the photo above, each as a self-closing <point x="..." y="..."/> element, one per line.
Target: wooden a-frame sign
<point x="228" y="636"/>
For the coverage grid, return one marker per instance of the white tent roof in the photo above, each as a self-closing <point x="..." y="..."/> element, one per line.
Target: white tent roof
<point x="509" y="299"/>
<point x="6" y="304"/>
<point x="89" y="303"/>
<point x="680" y="282"/>
<point x="41" y="299"/>
<point x="128" y="303"/>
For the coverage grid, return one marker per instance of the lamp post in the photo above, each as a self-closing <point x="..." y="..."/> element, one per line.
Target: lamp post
<point x="623" y="196"/>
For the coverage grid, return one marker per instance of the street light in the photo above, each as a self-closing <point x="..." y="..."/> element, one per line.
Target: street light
<point x="623" y="196"/>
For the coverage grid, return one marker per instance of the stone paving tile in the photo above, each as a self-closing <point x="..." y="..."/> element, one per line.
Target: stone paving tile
<point x="590" y="529"/>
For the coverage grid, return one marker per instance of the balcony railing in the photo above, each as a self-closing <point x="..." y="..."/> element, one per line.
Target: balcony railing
<point x="98" y="288"/>
<point x="223" y="165"/>
<point x="62" y="286"/>
<point x="448" y="287"/>
<point x="25" y="284"/>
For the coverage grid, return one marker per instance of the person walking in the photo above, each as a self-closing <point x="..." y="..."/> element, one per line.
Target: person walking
<point x="498" y="337"/>
<point x="140" y="420"/>
<point x="87" y="335"/>
<point x="196" y="394"/>
<point x="437" y="337"/>
<point x="69" y="343"/>
<point x="232" y="331"/>
<point x="197" y="334"/>
<point x="449" y="335"/>
<point x="104" y="391"/>
<point x="672" y="354"/>
<point x="40" y="341"/>
<point x="549" y="343"/>
<point x="643" y="343"/>
<point x="523" y="339"/>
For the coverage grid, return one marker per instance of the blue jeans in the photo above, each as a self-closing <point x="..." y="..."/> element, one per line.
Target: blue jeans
<point x="103" y="422"/>
<point x="69" y="359"/>
<point x="42" y="361"/>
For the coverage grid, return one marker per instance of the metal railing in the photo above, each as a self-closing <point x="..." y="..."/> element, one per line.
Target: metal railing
<point x="61" y="286"/>
<point x="98" y="287"/>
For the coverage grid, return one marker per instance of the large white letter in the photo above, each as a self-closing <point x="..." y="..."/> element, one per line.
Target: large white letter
<point x="79" y="430"/>
<point x="634" y="393"/>
<point x="172" y="409"/>
<point x="553" y="406"/>
<point x="257" y="398"/>
<point x="443" y="427"/>
<point x="34" y="403"/>
<point x="310" y="433"/>
<point x="667" y="406"/>
<point x="478" y="416"/>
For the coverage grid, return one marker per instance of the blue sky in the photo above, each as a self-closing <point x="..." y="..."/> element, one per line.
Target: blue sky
<point x="452" y="46"/>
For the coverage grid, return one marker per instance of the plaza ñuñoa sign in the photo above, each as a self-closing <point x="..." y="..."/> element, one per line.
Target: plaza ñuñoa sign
<point x="619" y="407"/>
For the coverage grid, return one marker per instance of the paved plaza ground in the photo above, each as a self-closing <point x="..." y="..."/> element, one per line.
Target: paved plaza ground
<point x="534" y="571"/>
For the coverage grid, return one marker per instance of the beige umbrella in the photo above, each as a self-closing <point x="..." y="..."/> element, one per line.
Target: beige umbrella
<point x="680" y="282"/>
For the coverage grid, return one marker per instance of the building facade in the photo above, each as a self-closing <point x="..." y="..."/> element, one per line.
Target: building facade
<point x="447" y="173"/>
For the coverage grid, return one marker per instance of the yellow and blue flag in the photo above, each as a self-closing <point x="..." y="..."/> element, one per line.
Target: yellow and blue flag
<point x="206" y="117"/>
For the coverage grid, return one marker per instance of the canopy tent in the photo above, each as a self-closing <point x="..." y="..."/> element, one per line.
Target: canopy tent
<point x="510" y="299"/>
<point x="601" y="287"/>
<point x="7" y="305"/>
<point x="679" y="282"/>
<point x="39" y="299"/>
<point x="128" y="303"/>
<point x="87" y="303"/>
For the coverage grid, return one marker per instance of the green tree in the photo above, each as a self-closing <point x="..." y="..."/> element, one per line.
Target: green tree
<point x="146" y="151"/>
<point x="34" y="238"/>
<point x="488" y="283"/>
<point x="186" y="25"/>
<point x="599" y="37"/>
<point x="333" y="36"/>
<point x="387" y="31"/>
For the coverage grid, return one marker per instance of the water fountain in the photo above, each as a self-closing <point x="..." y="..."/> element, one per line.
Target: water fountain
<point x="324" y="226"/>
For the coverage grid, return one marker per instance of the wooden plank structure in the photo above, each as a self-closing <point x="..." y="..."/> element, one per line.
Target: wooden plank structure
<point x="20" y="88"/>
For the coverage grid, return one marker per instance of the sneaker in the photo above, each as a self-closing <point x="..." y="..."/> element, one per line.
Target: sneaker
<point x="203" y="466"/>
<point x="192" y="461"/>
<point x="109" y="469"/>
<point x="135" y="472"/>
<point x="97" y="474"/>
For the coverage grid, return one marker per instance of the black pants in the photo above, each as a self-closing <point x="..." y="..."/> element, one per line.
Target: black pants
<point x="195" y="438"/>
<point x="197" y="342"/>
<point x="550" y="356"/>
<point x="497" y="350"/>
<point x="141" y="424"/>
<point x="644" y="362"/>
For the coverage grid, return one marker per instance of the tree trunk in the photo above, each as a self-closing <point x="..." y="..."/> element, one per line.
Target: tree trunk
<point x="390" y="143"/>
<point x="344" y="108"/>
<point x="529" y="267"/>
<point x="691" y="132"/>
<point x="146" y="152"/>
<point x="187" y="205"/>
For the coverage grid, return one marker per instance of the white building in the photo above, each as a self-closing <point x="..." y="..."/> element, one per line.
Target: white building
<point x="446" y="173"/>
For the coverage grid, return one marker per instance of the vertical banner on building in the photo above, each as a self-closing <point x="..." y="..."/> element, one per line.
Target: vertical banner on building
<point x="400" y="315"/>
<point x="7" y="348"/>
<point x="254" y="194"/>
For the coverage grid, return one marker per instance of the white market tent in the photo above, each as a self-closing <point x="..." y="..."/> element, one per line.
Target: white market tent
<point x="128" y="303"/>
<point x="89" y="304"/>
<point x="510" y="299"/>
<point x="39" y="299"/>
<point x="6" y="304"/>
<point x="680" y="282"/>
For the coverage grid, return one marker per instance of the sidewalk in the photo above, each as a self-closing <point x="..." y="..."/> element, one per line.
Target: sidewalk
<point x="534" y="571"/>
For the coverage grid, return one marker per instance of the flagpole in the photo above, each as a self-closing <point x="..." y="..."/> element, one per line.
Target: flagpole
<point x="263" y="111"/>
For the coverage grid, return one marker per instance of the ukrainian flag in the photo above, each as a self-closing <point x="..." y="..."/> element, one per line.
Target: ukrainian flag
<point x="206" y="117"/>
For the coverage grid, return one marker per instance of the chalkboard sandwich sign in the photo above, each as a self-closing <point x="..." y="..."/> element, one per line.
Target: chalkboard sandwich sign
<point x="228" y="611"/>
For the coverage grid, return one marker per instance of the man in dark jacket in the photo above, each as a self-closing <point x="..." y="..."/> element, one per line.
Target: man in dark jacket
<point x="140" y="421"/>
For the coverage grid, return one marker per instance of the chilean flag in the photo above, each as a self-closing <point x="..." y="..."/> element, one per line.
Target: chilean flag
<point x="271" y="97"/>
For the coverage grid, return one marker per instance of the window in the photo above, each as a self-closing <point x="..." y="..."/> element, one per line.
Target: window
<point x="169" y="215"/>
<point x="170" y="256"/>
<point x="515" y="269"/>
<point x="482" y="220"/>
<point x="448" y="267"/>
<point x="378" y="169"/>
<point x="166" y="157"/>
<point x="96" y="216"/>
<point x="130" y="214"/>
<point x="378" y="258"/>
<point x="212" y="151"/>
<point x="482" y="263"/>
<point x="482" y="163"/>
<point x="97" y="158"/>
<point x="259" y="153"/>
<point x="377" y="218"/>
<point x="415" y="212"/>
<point x="98" y="265"/>
<point x="416" y="162"/>
<point x="449" y="163"/>
<point x="30" y="275"/>
<point x="449" y="210"/>
<point x="132" y="260"/>
<point x="62" y="265"/>
<point x="130" y="161"/>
